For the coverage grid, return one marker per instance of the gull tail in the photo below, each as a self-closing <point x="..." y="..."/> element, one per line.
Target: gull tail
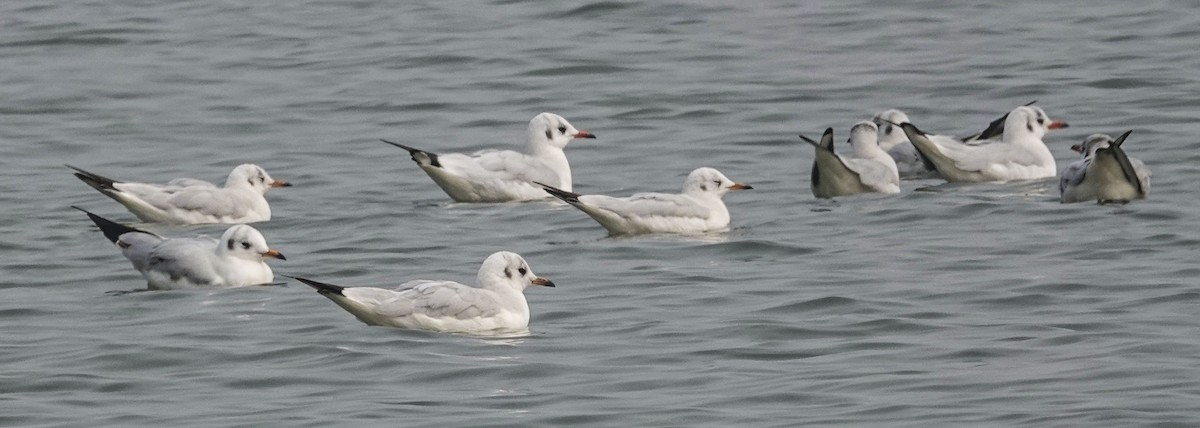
<point x="568" y="197"/>
<point x="98" y="182"/>
<point x="1122" y="159"/>
<point x="421" y="157"/>
<point x="322" y="288"/>
<point x="826" y="142"/>
<point x="112" y="230"/>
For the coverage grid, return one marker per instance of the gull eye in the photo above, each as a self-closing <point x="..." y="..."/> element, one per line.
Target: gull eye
<point x="523" y="271"/>
<point x="562" y="130"/>
<point x="717" y="182"/>
<point x="246" y="245"/>
<point x="1041" y="121"/>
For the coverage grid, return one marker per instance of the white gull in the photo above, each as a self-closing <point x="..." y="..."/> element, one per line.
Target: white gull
<point x="697" y="209"/>
<point x="869" y="170"/>
<point x="1020" y="153"/>
<point x="191" y="201"/>
<point x="235" y="260"/>
<point x="1105" y="174"/>
<point x="505" y="175"/>
<point x="498" y="305"/>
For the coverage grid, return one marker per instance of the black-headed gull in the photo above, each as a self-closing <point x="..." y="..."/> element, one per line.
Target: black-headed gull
<point x="1020" y="153"/>
<point x="697" y="209"/>
<point x="1105" y="174"/>
<point x="191" y="201"/>
<point x="498" y="305"/>
<point x="869" y="170"/>
<point x="893" y="141"/>
<point x="505" y="175"/>
<point x="235" y="260"/>
<point x="908" y="161"/>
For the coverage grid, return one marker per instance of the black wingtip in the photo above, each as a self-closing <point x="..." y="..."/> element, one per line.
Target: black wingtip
<point x="568" y="197"/>
<point x="111" y="229"/>
<point x="1121" y="139"/>
<point x="322" y="288"/>
<point x="99" y="182"/>
<point x="826" y="142"/>
<point x="413" y="151"/>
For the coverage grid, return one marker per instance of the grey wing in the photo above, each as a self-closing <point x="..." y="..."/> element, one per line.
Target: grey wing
<point x="512" y="165"/>
<point x="185" y="259"/>
<point x="446" y="299"/>
<point x="190" y="182"/>
<point x="137" y="247"/>
<point x="649" y="205"/>
<point x="212" y="201"/>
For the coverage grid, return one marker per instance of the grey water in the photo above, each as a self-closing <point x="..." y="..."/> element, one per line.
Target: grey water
<point x="945" y="305"/>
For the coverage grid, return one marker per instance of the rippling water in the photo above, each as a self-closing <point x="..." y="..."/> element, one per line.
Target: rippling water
<point x="955" y="305"/>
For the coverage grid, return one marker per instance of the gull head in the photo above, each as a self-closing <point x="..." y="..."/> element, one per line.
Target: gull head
<point x="551" y="130"/>
<point x="709" y="181"/>
<point x="508" y="269"/>
<point x="864" y="138"/>
<point x="254" y="177"/>
<point x="1029" y="122"/>
<point x="245" y="242"/>
<point x="1092" y="143"/>
<point x="889" y="134"/>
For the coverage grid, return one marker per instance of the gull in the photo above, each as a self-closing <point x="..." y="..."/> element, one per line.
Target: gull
<point x="191" y="201"/>
<point x="1019" y="154"/>
<point x="697" y="209"/>
<point x="908" y="161"/>
<point x="1105" y="174"/>
<point x="235" y="260"/>
<point x="505" y="175"/>
<point x="497" y="305"/>
<point x="869" y="170"/>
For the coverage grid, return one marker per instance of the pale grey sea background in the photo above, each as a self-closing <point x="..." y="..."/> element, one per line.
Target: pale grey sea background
<point x="955" y="305"/>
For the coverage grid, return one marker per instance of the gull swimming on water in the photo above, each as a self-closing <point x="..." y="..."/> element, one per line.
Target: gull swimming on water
<point x="908" y="161"/>
<point x="505" y="175"/>
<point x="235" y="260"/>
<point x="1020" y="153"/>
<point x="869" y="170"/>
<point x="697" y="209"/>
<point x="191" y="201"/>
<point x="498" y="305"/>
<point x="1105" y="174"/>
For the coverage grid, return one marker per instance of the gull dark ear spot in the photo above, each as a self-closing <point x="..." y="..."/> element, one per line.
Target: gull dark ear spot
<point x="229" y="244"/>
<point x="549" y="134"/>
<point x="508" y="273"/>
<point x="703" y="187"/>
<point x="1029" y="126"/>
<point x="887" y="130"/>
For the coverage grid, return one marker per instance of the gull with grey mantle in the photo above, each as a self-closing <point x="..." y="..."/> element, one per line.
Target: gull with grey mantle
<point x="1105" y="174"/>
<point x="697" y="209"/>
<point x="908" y="161"/>
<point x="505" y="175"/>
<point x="235" y="260"/>
<point x="498" y="305"/>
<point x="869" y="170"/>
<point x="1020" y="153"/>
<point x="191" y="201"/>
